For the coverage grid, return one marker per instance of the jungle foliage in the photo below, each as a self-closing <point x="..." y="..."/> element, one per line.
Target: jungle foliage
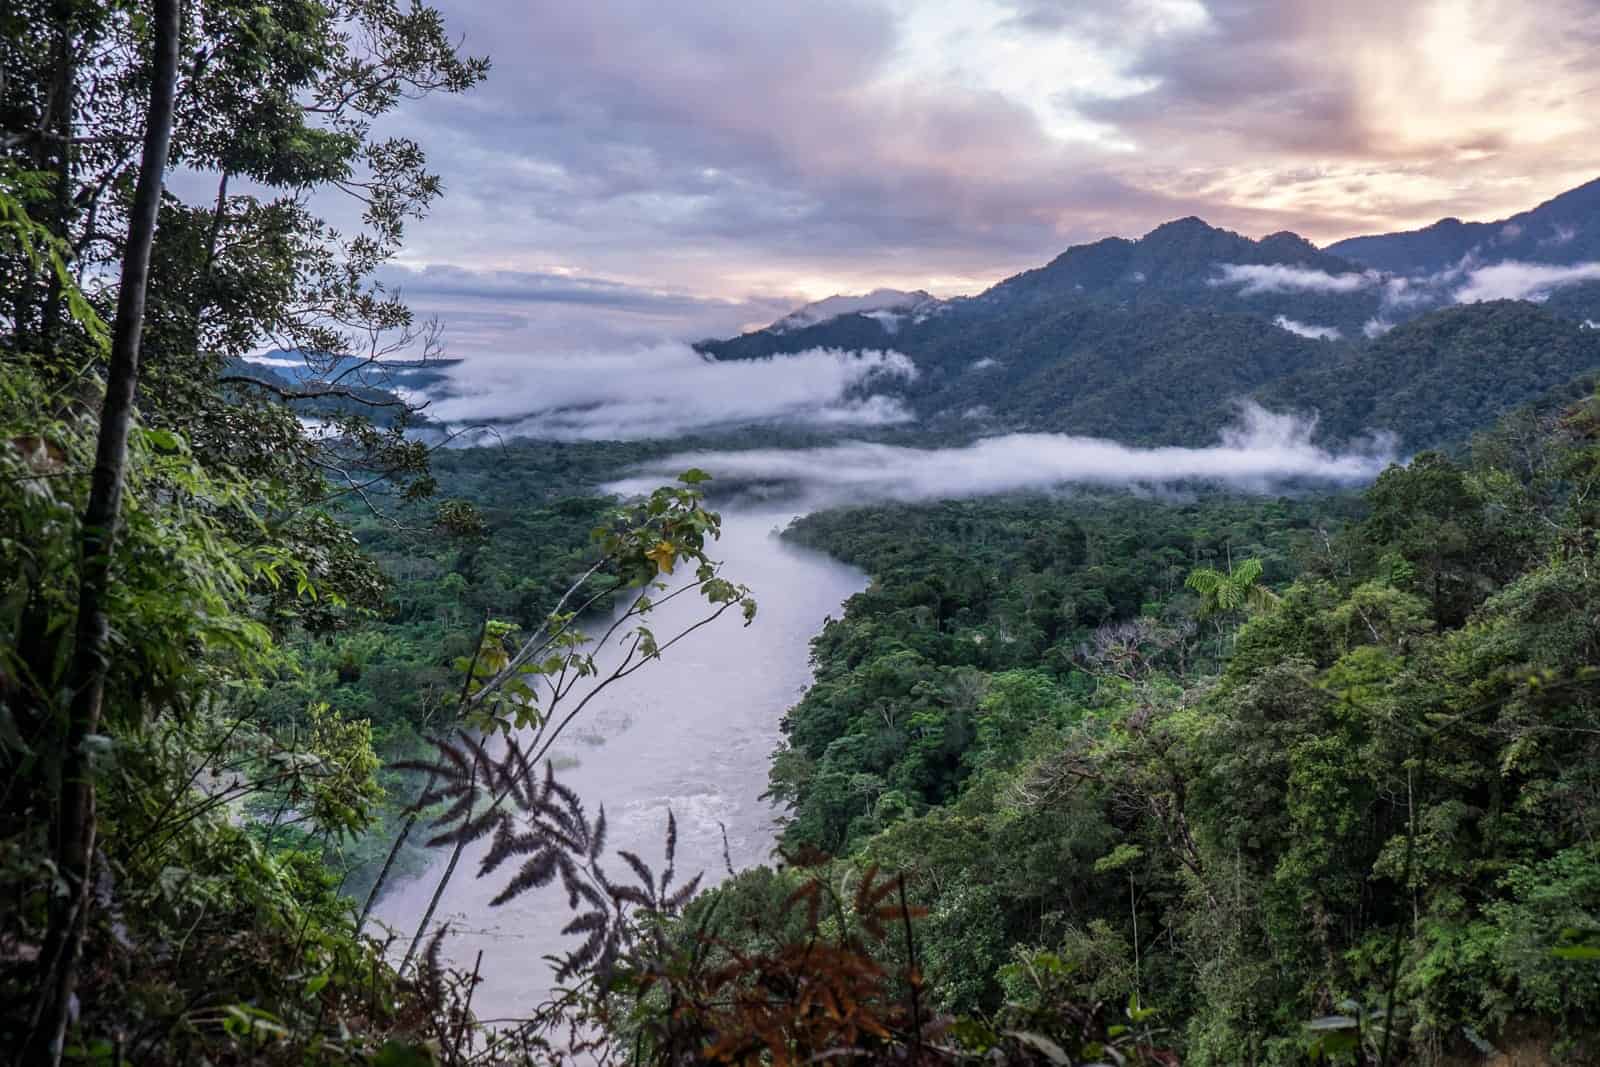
<point x="1226" y="780"/>
<point x="1351" y="818"/>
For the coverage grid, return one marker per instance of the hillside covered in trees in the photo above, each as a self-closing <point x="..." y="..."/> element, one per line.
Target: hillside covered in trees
<point x="1105" y="765"/>
<point x="1148" y="778"/>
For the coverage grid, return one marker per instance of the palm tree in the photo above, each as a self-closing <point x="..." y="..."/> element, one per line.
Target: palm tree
<point x="1237" y="589"/>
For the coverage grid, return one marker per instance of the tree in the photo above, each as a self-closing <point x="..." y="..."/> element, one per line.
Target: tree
<point x="281" y="99"/>
<point x="75" y="815"/>
<point x="1237" y="589"/>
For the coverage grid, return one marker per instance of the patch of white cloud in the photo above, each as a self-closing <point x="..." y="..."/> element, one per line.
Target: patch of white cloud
<point x="1590" y="324"/>
<point x="1316" y="333"/>
<point x="1261" y="453"/>
<point x="670" y="389"/>
<point x="1406" y="292"/>
<point x="874" y="305"/>
<point x="1518" y="280"/>
<point x="1254" y="278"/>
<point x="1560" y="234"/>
<point x="984" y="364"/>
<point x="974" y="45"/>
<point x="1376" y="328"/>
<point x="887" y="319"/>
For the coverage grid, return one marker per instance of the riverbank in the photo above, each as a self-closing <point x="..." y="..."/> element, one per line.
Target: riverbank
<point x="693" y="733"/>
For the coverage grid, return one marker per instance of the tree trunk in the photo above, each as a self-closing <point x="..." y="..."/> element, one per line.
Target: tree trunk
<point x="75" y="815"/>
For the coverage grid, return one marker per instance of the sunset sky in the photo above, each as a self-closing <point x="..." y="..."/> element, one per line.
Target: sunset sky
<point x="638" y="169"/>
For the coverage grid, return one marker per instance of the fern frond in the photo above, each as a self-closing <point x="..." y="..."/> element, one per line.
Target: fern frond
<point x="641" y="869"/>
<point x="538" y="872"/>
<point x="597" y="838"/>
<point x="676" y="901"/>
<point x="589" y="920"/>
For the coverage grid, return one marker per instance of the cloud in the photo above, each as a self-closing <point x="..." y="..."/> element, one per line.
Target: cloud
<point x="1263" y="452"/>
<point x="670" y="389"/>
<point x="1376" y="327"/>
<point x="262" y="359"/>
<point x="744" y="148"/>
<point x="1560" y="235"/>
<point x="1516" y="280"/>
<point x="983" y="364"/>
<point x="494" y="310"/>
<point x="1367" y="107"/>
<point x="1407" y="292"/>
<point x="1316" y="333"/>
<point x="535" y="287"/>
<point x="1254" y="278"/>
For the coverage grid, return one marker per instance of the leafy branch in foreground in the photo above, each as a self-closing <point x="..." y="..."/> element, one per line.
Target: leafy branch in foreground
<point x="554" y="837"/>
<point x="535" y="687"/>
<point x="838" y="977"/>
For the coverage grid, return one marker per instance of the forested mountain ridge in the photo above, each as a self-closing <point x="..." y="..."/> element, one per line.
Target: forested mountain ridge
<point x="1176" y="265"/>
<point x="1177" y="261"/>
<point x="1562" y="230"/>
<point x="1175" y="375"/>
<point x="1443" y="377"/>
<point x="1155" y="340"/>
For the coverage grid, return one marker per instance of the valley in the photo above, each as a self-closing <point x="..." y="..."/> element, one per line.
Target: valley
<point x="1033" y="678"/>
<point x="544" y="626"/>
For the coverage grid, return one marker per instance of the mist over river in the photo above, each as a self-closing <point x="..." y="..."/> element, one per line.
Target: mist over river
<point x="693" y="731"/>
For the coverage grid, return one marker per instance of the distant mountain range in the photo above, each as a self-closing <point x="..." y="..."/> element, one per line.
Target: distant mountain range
<point x="1428" y="334"/>
<point x="1560" y="231"/>
<point x="886" y="307"/>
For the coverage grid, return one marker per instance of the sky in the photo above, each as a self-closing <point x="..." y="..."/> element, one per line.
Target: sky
<point x="633" y="172"/>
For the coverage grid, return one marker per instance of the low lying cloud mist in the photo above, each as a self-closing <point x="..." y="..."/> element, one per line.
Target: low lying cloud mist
<point x="1516" y="280"/>
<point x="1263" y="452"/>
<point x="1254" y="278"/>
<point x="1467" y="282"/>
<point x="1302" y="329"/>
<point x="670" y="389"/>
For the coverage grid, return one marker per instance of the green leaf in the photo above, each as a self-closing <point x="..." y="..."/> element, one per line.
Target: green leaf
<point x="1576" y="952"/>
<point x="403" y="1054"/>
<point x="1118" y="858"/>
<point x="163" y="440"/>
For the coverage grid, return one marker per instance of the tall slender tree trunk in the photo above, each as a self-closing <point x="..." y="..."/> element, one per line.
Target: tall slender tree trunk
<point x="75" y="814"/>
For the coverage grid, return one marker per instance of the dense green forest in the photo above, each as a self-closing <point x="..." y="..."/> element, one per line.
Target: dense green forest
<point x="1197" y="778"/>
<point x="1173" y="373"/>
<point x="1348" y="816"/>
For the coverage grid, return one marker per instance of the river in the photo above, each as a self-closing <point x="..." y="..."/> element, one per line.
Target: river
<point x="693" y="732"/>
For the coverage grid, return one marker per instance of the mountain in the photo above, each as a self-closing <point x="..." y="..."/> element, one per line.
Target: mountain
<point x="1441" y="377"/>
<point x="1156" y="340"/>
<point x="1564" y="231"/>
<point x="1176" y="257"/>
<point x="1182" y="264"/>
<point x="885" y="306"/>
<point x="1354" y="288"/>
